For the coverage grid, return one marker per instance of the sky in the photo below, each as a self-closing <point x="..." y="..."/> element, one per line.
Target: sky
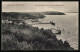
<point x="17" y="6"/>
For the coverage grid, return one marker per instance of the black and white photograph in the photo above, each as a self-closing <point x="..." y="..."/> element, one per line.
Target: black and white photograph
<point x="39" y="25"/>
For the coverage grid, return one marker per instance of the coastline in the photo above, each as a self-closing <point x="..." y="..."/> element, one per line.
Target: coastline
<point x="15" y="28"/>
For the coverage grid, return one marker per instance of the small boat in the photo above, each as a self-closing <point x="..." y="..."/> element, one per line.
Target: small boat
<point x="52" y="23"/>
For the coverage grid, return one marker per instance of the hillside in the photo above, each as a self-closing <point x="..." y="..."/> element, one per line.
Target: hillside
<point x="16" y="15"/>
<point x="29" y="15"/>
<point x="18" y="37"/>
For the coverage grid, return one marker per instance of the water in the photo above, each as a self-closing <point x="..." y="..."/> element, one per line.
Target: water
<point x="68" y="22"/>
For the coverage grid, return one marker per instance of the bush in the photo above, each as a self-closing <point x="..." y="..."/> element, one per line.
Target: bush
<point x="8" y="42"/>
<point x="31" y="38"/>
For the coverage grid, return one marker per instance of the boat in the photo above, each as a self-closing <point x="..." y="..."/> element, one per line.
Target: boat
<point x="52" y="23"/>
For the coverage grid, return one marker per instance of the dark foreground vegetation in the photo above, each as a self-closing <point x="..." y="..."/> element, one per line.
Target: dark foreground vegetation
<point x="18" y="37"/>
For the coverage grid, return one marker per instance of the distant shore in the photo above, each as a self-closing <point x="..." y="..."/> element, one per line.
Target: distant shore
<point x="30" y="15"/>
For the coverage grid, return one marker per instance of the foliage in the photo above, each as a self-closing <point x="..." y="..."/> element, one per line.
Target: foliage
<point x="30" y="38"/>
<point x="15" y="15"/>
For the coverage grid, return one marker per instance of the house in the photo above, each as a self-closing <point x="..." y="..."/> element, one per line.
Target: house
<point x="9" y="21"/>
<point x="4" y="21"/>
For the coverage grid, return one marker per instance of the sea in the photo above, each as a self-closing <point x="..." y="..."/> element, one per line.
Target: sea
<point x="68" y="24"/>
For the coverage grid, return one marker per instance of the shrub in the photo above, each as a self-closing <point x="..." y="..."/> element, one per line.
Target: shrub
<point x="31" y="38"/>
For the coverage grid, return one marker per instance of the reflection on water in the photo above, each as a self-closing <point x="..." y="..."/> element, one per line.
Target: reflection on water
<point x="68" y="24"/>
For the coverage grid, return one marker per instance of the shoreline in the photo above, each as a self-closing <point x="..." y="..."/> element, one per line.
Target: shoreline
<point x="58" y="36"/>
<point x="35" y="30"/>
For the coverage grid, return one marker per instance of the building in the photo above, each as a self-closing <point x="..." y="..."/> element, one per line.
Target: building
<point x="6" y="21"/>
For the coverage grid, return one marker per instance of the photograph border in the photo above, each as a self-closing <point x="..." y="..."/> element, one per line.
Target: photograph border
<point x="43" y="1"/>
